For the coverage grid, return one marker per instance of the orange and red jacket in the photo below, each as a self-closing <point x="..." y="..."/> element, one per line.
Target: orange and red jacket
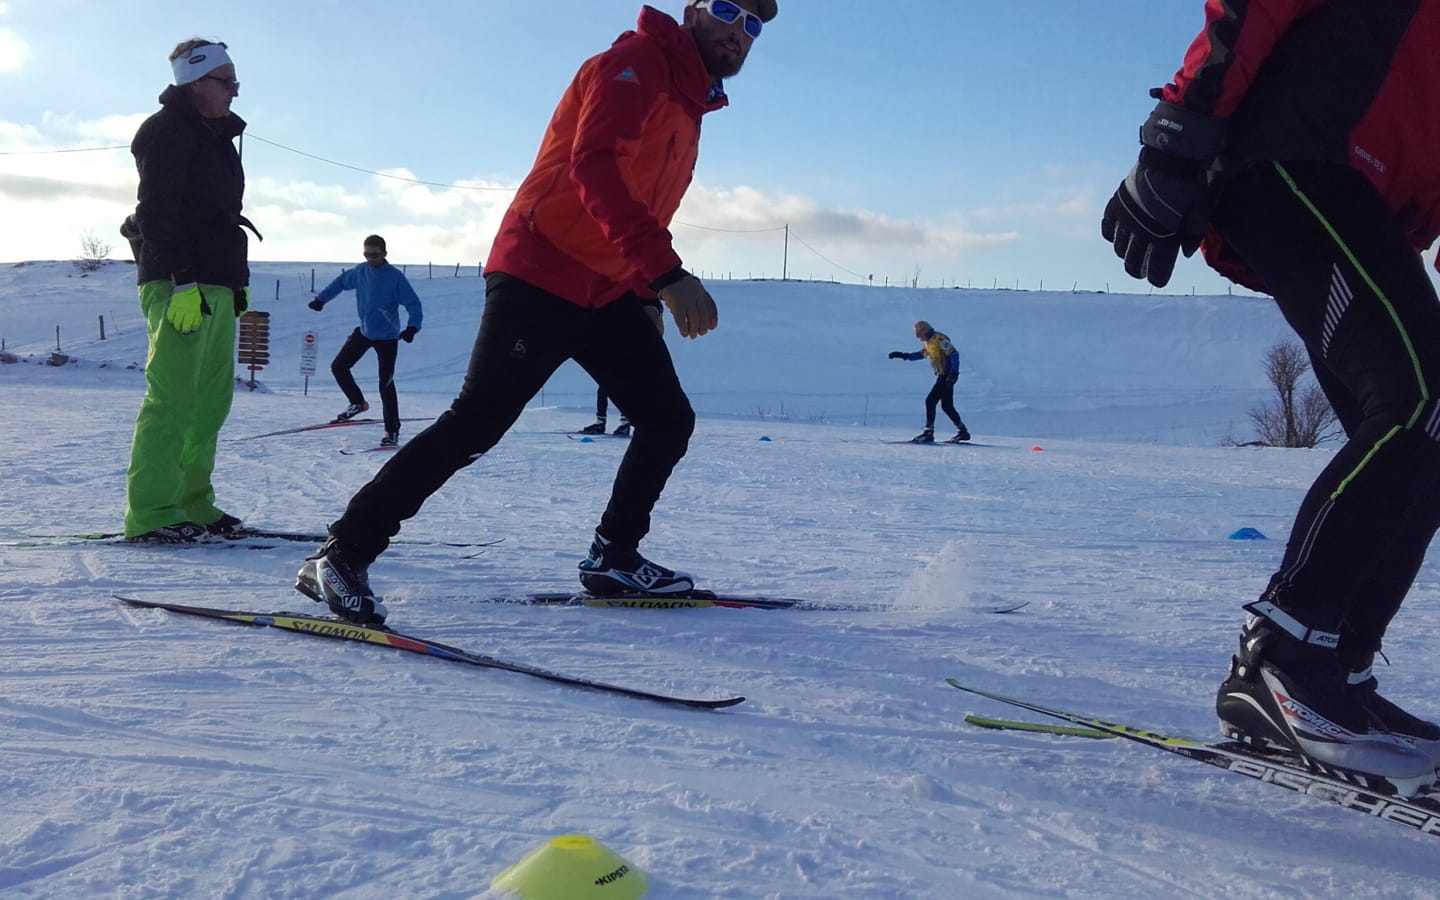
<point x="591" y="220"/>
<point x="1355" y="82"/>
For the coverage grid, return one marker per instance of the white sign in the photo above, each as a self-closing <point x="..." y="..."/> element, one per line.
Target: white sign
<point x="309" y="347"/>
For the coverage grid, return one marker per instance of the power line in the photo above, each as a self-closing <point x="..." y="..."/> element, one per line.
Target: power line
<point x="75" y="150"/>
<point x="469" y="187"/>
<point x="732" y="230"/>
<point x="824" y="257"/>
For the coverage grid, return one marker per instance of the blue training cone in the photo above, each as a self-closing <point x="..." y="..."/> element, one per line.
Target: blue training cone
<point x="572" y="867"/>
<point x="1247" y="534"/>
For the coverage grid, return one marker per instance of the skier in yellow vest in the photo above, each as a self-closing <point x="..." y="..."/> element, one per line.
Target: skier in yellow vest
<point x="945" y="360"/>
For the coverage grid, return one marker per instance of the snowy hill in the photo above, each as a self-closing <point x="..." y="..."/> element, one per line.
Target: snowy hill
<point x="1109" y="367"/>
<point x="145" y="755"/>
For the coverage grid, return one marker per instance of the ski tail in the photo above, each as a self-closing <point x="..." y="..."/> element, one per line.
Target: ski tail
<point x="1090" y="722"/>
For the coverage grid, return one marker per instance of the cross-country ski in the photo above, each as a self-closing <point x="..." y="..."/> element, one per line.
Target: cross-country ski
<point x="318" y="626"/>
<point x="1347" y="789"/>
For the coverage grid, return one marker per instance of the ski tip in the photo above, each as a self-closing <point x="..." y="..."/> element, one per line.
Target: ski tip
<point x="722" y="704"/>
<point x="1002" y="608"/>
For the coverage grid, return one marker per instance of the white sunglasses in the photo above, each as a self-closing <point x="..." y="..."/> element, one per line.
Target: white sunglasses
<point x="728" y="12"/>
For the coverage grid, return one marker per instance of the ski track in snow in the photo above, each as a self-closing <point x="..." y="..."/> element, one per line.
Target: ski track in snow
<point x="144" y="754"/>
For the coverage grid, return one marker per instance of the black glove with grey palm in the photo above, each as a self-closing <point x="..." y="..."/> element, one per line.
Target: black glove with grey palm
<point x="1162" y="206"/>
<point x="897" y="354"/>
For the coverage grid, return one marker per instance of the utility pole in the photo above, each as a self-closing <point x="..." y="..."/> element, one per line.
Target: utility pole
<point x="785" y="260"/>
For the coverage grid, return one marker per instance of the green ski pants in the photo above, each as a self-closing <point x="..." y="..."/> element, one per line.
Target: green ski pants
<point x="189" y="384"/>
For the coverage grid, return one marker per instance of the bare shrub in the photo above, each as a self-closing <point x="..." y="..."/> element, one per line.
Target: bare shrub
<point x="1297" y="416"/>
<point x="94" y="252"/>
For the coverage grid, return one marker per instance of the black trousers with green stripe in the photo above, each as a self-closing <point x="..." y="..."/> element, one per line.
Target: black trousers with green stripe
<point x="525" y="335"/>
<point x="1356" y="292"/>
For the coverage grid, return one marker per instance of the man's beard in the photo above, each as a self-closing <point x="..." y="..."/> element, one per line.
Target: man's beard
<point x="718" y="63"/>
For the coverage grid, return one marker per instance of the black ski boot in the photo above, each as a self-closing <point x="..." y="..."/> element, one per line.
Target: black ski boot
<point x="1287" y="689"/>
<point x="608" y="569"/>
<point x="350" y="412"/>
<point x="1387" y="715"/>
<point x="227" y="526"/>
<point x="179" y="533"/>
<point x="328" y="577"/>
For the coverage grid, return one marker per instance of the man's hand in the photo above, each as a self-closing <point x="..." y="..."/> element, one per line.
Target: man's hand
<point x="656" y="317"/>
<point x="242" y="301"/>
<point x="1162" y="207"/>
<point x="897" y="354"/>
<point x="187" y="308"/>
<point x="1158" y="210"/>
<point x="408" y="334"/>
<point x="316" y="304"/>
<point x="691" y="305"/>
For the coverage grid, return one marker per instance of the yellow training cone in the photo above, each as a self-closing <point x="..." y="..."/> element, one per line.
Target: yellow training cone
<point x="572" y="867"/>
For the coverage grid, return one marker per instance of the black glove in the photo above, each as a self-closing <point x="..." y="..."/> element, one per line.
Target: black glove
<point x="1162" y="206"/>
<point x="408" y="334"/>
<point x="242" y="300"/>
<point x="897" y="354"/>
<point x="316" y="304"/>
<point x="950" y="377"/>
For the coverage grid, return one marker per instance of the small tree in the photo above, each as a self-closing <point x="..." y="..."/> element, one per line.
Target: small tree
<point x="1296" y="417"/>
<point x="93" y="252"/>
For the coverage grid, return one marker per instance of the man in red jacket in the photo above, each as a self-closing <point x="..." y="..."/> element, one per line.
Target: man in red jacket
<point x="1300" y="144"/>
<point x="581" y="249"/>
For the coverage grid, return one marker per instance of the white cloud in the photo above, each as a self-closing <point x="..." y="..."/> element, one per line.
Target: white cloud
<point x="13" y="50"/>
<point x="828" y="230"/>
<point x="51" y="198"/>
<point x="433" y="200"/>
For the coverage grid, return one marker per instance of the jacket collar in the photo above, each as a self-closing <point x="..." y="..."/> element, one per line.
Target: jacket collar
<point x="679" y="47"/>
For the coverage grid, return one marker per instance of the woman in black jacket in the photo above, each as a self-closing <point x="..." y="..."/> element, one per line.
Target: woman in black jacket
<point x="190" y="254"/>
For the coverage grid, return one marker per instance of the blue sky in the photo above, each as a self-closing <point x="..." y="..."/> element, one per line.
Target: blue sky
<point x="942" y="142"/>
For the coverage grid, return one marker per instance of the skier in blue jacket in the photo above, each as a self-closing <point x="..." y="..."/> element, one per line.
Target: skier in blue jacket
<point x="380" y="290"/>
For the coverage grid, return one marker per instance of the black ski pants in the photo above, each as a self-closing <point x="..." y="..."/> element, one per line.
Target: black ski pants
<point x="602" y="406"/>
<point x="1356" y="292"/>
<point x="355" y="347"/>
<point x="943" y="393"/>
<point x="525" y="335"/>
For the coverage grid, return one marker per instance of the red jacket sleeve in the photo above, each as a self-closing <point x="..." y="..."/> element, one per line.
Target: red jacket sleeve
<point x="622" y="90"/>
<point x="1225" y="57"/>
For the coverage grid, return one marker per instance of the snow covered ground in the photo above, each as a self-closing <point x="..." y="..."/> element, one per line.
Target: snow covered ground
<point x="148" y="755"/>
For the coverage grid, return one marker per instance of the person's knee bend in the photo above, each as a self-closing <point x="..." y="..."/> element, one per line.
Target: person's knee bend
<point x="1420" y="434"/>
<point x="672" y="429"/>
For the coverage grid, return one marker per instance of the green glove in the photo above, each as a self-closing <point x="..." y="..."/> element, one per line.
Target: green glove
<point x="187" y="308"/>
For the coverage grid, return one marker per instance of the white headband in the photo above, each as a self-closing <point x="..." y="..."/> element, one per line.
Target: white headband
<point x="199" y="62"/>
